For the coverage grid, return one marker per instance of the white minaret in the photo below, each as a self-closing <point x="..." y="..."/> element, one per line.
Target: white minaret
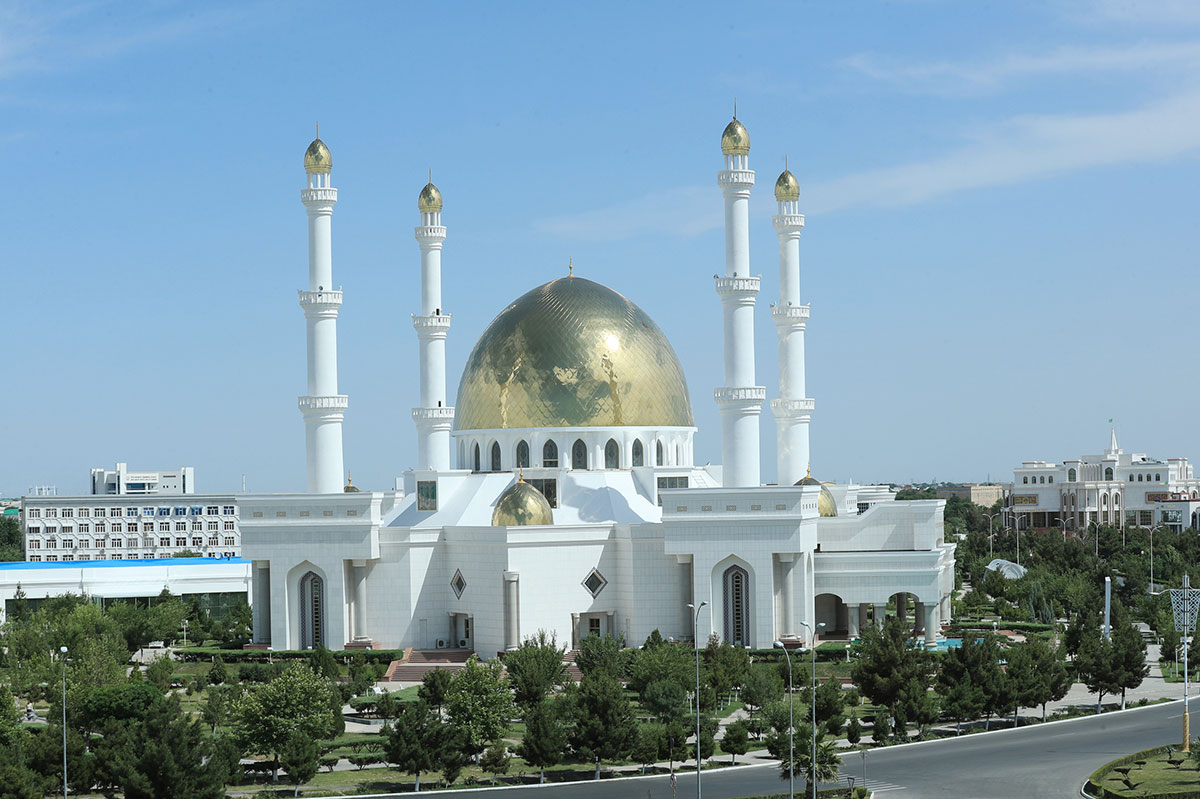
<point x="792" y="410"/>
<point x="433" y="418"/>
<point x="323" y="407"/>
<point x="739" y="400"/>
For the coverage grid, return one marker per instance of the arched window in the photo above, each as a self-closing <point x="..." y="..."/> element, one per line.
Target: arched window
<point x="550" y="454"/>
<point x="522" y="455"/>
<point x="1104" y="500"/>
<point x="1131" y="478"/>
<point x="579" y="454"/>
<point x="1051" y="478"/>
<point x="658" y="453"/>
<point x="1139" y="478"/>
<point x="612" y="455"/>
<point x="737" y="606"/>
<point x="1108" y="473"/>
<point x="1042" y="479"/>
<point x="638" y="455"/>
<point x="475" y="466"/>
<point x="312" y="611"/>
<point x="1025" y="479"/>
<point x="1070" y="475"/>
<point x="1157" y="478"/>
<point x="1116" y="500"/>
<point x="495" y="456"/>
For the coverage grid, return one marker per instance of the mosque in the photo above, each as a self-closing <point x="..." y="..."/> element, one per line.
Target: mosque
<point x="559" y="491"/>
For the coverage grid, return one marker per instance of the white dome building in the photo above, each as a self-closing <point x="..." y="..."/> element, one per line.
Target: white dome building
<point x="559" y="493"/>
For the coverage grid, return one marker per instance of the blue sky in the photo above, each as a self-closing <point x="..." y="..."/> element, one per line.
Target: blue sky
<point x="1000" y="247"/>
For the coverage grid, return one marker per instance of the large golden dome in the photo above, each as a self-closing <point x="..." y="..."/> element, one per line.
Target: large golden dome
<point x="572" y="353"/>
<point x="317" y="157"/>
<point x="521" y="504"/>
<point x="787" y="188"/>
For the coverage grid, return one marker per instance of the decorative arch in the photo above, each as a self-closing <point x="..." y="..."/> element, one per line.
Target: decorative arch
<point x="639" y="457"/>
<point x="658" y="453"/>
<point x="612" y="455"/>
<point x="476" y="464"/>
<point x="1108" y="473"/>
<point x="579" y="454"/>
<point x="550" y="454"/>
<point x="522" y="454"/>
<point x="1140" y="478"/>
<point x="312" y="611"/>
<point x="736" y="593"/>
<point x="1070" y="475"/>
<point x="494" y="463"/>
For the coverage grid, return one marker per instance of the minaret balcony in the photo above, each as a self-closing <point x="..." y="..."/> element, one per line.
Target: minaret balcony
<point x="320" y="300"/>
<point x="328" y="402"/>
<point x="430" y="232"/>
<point x="787" y="315"/>
<point x="433" y="416"/>
<point x="321" y="196"/>
<point x="792" y="408"/>
<point x="735" y="178"/>
<point x="738" y="287"/>
<point x="432" y="325"/>
<point x="788" y="223"/>
<point x="740" y="396"/>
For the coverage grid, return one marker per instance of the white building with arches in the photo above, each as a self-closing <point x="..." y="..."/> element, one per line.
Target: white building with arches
<point x="1118" y="488"/>
<point x="560" y="492"/>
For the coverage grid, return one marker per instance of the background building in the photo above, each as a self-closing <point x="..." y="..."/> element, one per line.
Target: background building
<point x="123" y="481"/>
<point x="116" y="527"/>
<point x="985" y="494"/>
<point x="1115" y="488"/>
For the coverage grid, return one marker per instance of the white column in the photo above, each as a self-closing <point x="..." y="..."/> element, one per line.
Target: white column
<point x="852" y="621"/>
<point x="792" y="410"/>
<point x="931" y="626"/>
<point x="787" y="562"/>
<point x="919" y="617"/>
<point x="261" y="610"/>
<point x="360" y="601"/>
<point x="880" y="614"/>
<point x="512" y="611"/>
<point x="433" y="418"/>
<point x="323" y="408"/>
<point x="739" y="399"/>
<point x="902" y="607"/>
<point x="863" y="621"/>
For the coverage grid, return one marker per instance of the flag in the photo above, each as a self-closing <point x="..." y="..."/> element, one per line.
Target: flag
<point x="1110" y="421"/>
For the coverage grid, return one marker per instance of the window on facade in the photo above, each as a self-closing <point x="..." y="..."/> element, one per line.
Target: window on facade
<point x="51" y="513"/>
<point x="1051" y="478"/>
<point x="164" y="542"/>
<point x="35" y="558"/>
<point x="212" y="510"/>
<point x="35" y="513"/>
<point x="579" y="454"/>
<point x="228" y="540"/>
<point x="1158" y="478"/>
<point x="737" y="606"/>
<point x="212" y="540"/>
<point x="229" y="525"/>
<point x="34" y="544"/>
<point x="164" y="511"/>
<point x="658" y="453"/>
<point x="99" y="513"/>
<point x="1070" y="475"/>
<point x="51" y="543"/>
<point x="671" y="482"/>
<point x="196" y="510"/>
<point x="427" y="495"/>
<point x="639" y="457"/>
<point x="548" y="487"/>
<point x="1025" y="479"/>
<point x="312" y="611"/>
<point x="83" y="528"/>
<point x="612" y="455"/>
<point x="229" y="510"/>
<point x="197" y="526"/>
<point x="550" y="454"/>
<point x="1146" y="518"/>
<point x="475" y="465"/>
<point x="52" y="558"/>
<point x="522" y="455"/>
<point x="197" y="541"/>
<point x="594" y="582"/>
<point x="1139" y="478"/>
<point x="1108" y="473"/>
<point x="495" y="456"/>
<point x="181" y="527"/>
<point x="181" y="542"/>
<point x="85" y="512"/>
<point x="85" y="543"/>
<point x="101" y="527"/>
<point x="67" y="513"/>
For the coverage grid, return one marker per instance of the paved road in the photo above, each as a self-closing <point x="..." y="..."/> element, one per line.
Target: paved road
<point x="1042" y="761"/>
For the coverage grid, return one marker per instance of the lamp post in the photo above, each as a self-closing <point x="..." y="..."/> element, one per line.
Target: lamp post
<point x="185" y="623"/>
<point x="791" y="726"/>
<point x="696" y="643"/>
<point x="813" y="644"/>
<point x="63" y="652"/>
<point x="1185" y="602"/>
<point x="1152" y="529"/>
<point x="991" y="533"/>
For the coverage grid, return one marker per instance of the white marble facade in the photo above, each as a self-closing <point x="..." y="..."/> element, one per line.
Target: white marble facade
<point x="575" y="391"/>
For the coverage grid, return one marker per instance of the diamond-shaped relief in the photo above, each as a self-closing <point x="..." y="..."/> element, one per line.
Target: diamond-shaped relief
<point x="458" y="583"/>
<point x="594" y="582"/>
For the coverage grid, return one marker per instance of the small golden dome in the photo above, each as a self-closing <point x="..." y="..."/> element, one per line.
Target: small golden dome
<point x="826" y="504"/>
<point x="787" y="188"/>
<point x="735" y="140"/>
<point x="521" y="504"/>
<point x="350" y="487"/>
<point x="317" y="157"/>
<point x="430" y="199"/>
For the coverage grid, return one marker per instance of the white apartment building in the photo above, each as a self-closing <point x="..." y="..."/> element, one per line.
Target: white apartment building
<point x="129" y="528"/>
<point x="1114" y="488"/>
<point x="163" y="481"/>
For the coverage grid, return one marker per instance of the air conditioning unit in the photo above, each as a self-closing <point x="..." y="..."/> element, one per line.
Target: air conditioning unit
<point x="462" y="643"/>
<point x="441" y="644"/>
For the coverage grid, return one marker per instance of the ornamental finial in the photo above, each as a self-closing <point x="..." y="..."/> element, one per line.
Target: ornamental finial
<point x="570" y="266"/>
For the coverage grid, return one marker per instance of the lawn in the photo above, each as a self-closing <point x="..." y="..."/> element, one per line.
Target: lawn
<point x="1159" y="773"/>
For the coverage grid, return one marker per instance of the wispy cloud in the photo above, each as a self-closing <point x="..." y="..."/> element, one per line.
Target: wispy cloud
<point x="956" y="76"/>
<point x="1023" y="149"/>
<point x="1013" y="151"/>
<point x="683" y="211"/>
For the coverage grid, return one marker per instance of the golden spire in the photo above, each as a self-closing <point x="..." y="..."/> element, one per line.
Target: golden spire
<point x="735" y="108"/>
<point x="570" y="266"/>
<point x="521" y="476"/>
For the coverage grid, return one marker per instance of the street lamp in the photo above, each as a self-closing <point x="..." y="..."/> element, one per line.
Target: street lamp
<point x="813" y="644"/>
<point x="791" y="726"/>
<point x="991" y="534"/>
<point x="1185" y="602"/>
<point x="63" y="651"/>
<point x="185" y="623"/>
<point x="696" y="643"/>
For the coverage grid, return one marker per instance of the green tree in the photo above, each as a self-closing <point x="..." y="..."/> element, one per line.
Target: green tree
<point x="663" y="663"/>
<point x="1038" y="674"/>
<point x="299" y="759"/>
<point x="435" y="686"/>
<point x="736" y="741"/>
<point x="535" y="667"/>
<point x="853" y="731"/>
<point x="217" y="674"/>
<point x="831" y="705"/>
<point x="650" y="742"/>
<point x="602" y="653"/>
<point x="604" y="724"/>
<point x="763" y="686"/>
<point x="726" y="665"/>
<point x="888" y="661"/>
<point x="827" y="764"/>
<point x="545" y="738"/>
<point x="165" y="618"/>
<point x="323" y="663"/>
<point x="216" y="707"/>
<point x="414" y="743"/>
<point x="158" y="673"/>
<point x="495" y="760"/>
<point x="134" y="623"/>
<point x="129" y="701"/>
<point x="1097" y="667"/>
<point x="295" y="701"/>
<point x="479" y="703"/>
<point x="708" y="738"/>
<point x="1129" y="649"/>
<point x="665" y="699"/>
<point x="960" y="681"/>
